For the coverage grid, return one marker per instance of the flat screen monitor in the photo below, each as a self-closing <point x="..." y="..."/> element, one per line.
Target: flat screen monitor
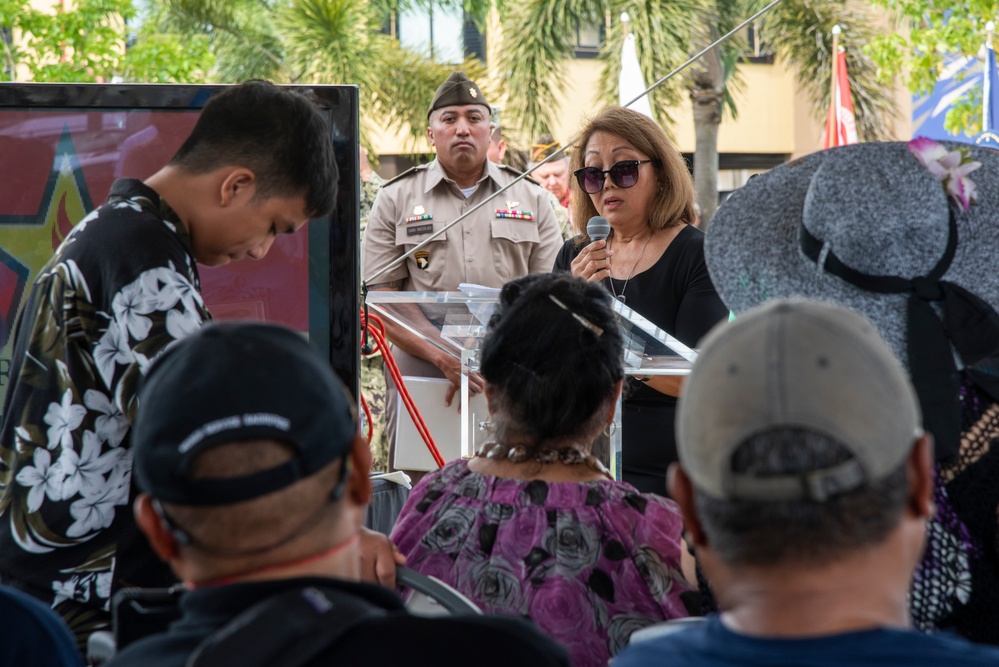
<point x="63" y="145"/>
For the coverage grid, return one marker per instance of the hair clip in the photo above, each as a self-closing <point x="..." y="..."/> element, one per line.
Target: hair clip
<point x="597" y="331"/>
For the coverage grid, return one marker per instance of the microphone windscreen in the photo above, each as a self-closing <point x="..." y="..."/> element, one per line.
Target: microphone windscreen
<point x="598" y="229"/>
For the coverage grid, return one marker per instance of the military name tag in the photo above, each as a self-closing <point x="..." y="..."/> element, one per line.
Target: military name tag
<point x="416" y="230"/>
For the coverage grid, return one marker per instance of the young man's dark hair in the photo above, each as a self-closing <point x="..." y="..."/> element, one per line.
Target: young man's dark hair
<point x="805" y="482"/>
<point x="276" y="133"/>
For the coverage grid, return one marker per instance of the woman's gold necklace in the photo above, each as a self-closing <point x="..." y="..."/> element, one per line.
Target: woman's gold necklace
<point x="620" y="297"/>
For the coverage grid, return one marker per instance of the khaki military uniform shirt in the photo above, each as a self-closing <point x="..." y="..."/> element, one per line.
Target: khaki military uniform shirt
<point x="486" y="248"/>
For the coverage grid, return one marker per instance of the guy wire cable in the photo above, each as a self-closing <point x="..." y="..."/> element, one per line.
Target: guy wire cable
<point x="399" y="260"/>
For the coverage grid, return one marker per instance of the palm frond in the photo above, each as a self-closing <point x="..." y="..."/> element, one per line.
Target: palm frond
<point x="539" y="39"/>
<point x="801" y="33"/>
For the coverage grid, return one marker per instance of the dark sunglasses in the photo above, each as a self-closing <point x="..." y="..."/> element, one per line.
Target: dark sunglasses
<point x="624" y="174"/>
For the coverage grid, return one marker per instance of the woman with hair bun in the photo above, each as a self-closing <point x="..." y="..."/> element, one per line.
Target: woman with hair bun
<point x="534" y="525"/>
<point x="626" y="170"/>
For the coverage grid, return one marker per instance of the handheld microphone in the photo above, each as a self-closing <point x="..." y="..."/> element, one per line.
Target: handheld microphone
<point x="598" y="229"/>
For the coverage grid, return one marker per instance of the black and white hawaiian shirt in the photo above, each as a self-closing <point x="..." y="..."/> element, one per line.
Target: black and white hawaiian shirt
<point x="120" y="288"/>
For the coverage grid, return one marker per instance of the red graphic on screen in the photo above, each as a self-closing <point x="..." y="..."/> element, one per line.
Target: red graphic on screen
<point x="13" y="278"/>
<point x="63" y="225"/>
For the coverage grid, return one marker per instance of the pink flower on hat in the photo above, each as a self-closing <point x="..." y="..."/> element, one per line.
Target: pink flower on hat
<point x="950" y="168"/>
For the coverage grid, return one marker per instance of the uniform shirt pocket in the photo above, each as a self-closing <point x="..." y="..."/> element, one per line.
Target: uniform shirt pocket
<point x="433" y="256"/>
<point x="517" y="231"/>
<point x="513" y="243"/>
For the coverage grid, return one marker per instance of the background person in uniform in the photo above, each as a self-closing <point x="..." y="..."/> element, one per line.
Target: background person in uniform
<point x="806" y="485"/>
<point x="514" y="235"/>
<point x="121" y="287"/>
<point x="255" y="482"/>
<point x="554" y="177"/>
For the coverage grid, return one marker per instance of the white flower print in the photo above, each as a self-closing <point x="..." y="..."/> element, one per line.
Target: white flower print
<point x="171" y="287"/>
<point x="112" y="349"/>
<point x="103" y="588"/>
<point x="63" y="418"/>
<point x="65" y="590"/>
<point x="85" y="471"/>
<point x="131" y="305"/>
<point x="96" y="512"/>
<point x="182" y="323"/>
<point x="127" y="203"/>
<point x="111" y="426"/>
<point x="44" y="479"/>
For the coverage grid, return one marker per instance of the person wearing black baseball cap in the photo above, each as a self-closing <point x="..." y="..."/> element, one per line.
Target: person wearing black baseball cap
<point x="805" y="482"/>
<point x="253" y="484"/>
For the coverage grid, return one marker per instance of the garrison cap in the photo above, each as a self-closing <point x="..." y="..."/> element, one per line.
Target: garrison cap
<point x="457" y="90"/>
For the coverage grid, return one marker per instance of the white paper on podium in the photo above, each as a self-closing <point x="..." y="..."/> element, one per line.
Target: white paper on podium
<point x="444" y="423"/>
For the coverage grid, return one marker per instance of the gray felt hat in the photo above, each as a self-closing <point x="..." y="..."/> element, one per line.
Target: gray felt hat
<point x="877" y="208"/>
<point x="838" y="225"/>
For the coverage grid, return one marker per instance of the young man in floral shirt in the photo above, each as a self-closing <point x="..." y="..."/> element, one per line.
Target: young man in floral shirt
<point x="121" y="287"/>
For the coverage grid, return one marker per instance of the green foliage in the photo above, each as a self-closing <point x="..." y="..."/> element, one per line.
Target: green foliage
<point x="936" y="29"/>
<point x="539" y="38"/>
<point x="800" y="31"/>
<point x="321" y="42"/>
<point x="89" y="42"/>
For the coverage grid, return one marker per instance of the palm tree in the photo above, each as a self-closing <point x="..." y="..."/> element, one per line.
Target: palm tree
<point x="318" y="42"/>
<point x="797" y="30"/>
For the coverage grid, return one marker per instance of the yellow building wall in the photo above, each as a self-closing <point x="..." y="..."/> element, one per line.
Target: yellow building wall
<point x="773" y="116"/>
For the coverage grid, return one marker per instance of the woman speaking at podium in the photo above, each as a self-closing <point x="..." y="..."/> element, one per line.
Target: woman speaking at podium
<point x="627" y="172"/>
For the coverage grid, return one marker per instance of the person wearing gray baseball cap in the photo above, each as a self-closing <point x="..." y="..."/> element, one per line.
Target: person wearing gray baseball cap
<point x="805" y="482"/>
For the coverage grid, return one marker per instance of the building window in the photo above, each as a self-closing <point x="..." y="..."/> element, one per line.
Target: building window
<point x="436" y="32"/>
<point x="589" y="39"/>
<point x="757" y="50"/>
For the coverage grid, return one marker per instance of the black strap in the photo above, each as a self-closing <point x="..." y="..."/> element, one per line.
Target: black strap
<point x="286" y="630"/>
<point x="969" y="323"/>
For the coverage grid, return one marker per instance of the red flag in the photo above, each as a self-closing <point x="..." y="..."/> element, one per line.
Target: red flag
<point x="841" y="126"/>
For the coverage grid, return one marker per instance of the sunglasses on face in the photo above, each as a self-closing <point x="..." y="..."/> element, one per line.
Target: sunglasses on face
<point x="624" y="174"/>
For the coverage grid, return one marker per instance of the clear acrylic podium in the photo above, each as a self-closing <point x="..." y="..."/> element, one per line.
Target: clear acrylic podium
<point x="456" y="322"/>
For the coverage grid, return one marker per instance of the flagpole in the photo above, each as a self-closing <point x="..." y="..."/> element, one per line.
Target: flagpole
<point x="987" y="91"/>
<point x="832" y="121"/>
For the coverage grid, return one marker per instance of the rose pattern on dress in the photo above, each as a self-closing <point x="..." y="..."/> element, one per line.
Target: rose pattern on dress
<point x="576" y="546"/>
<point x="588" y="562"/>
<point x="451" y="531"/>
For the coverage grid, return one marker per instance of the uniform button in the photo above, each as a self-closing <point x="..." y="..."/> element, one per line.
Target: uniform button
<point x="468" y="232"/>
<point x="516" y="237"/>
<point x="469" y="260"/>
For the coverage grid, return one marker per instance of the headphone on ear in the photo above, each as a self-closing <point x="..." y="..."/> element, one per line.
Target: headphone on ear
<point x="178" y="533"/>
<point x="185" y="538"/>
<point x="341" y="485"/>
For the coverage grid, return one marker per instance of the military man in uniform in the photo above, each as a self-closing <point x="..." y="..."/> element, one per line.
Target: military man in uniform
<point x="515" y="234"/>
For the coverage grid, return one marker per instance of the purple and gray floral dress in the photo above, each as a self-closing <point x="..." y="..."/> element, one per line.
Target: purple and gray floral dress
<point x="588" y="562"/>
